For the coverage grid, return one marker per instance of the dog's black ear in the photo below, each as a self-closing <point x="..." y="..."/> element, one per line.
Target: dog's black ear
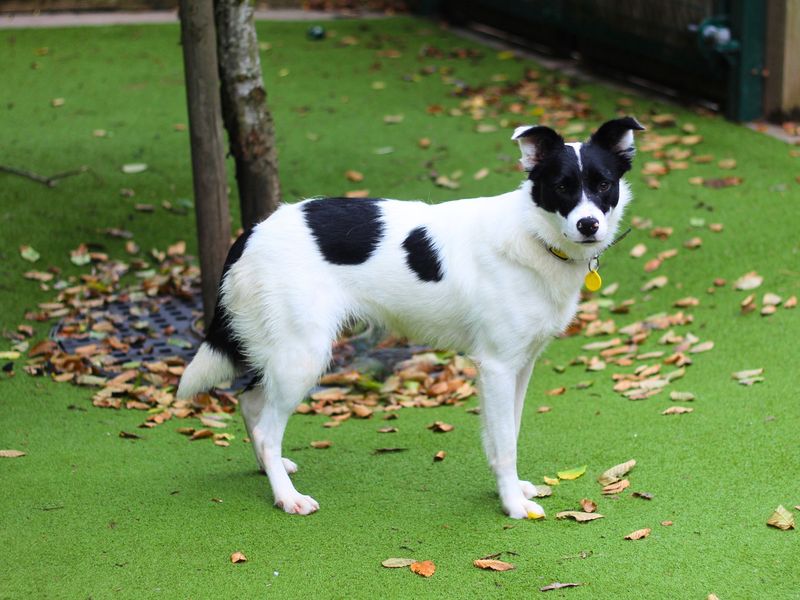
<point x="617" y="136"/>
<point x="536" y="143"/>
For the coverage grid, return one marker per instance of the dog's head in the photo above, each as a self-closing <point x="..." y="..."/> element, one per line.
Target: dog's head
<point x="578" y="187"/>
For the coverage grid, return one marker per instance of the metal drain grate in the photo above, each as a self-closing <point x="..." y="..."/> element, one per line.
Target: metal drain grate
<point x="154" y="328"/>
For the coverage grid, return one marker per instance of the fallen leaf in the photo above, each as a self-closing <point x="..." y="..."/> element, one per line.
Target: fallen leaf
<point x="426" y="568"/>
<point x="616" y="487"/>
<point x="702" y="347"/>
<point x="616" y="472"/>
<point x="579" y="516"/>
<point x="424" y="143"/>
<point x="550" y="480"/>
<point x="493" y="565"/>
<point x="682" y="396"/>
<point x="129" y="436"/>
<point x="727" y="163"/>
<point x="588" y="506"/>
<point x="543" y="491"/>
<point x="388" y="430"/>
<point x="638" y="250"/>
<point x="748" y="281"/>
<point x="642" y="495"/>
<point x="238" y="557"/>
<point x="638" y="534"/>
<point x="556" y="391"/>
<point x="677" y="410"/>
<point x="29" y="254"/>
<point x="354" y="176"/>
<point x="321" y="444"/>
<point x="481" y="174"/>
<point x="397" y="563"/>
<point x="747" y="374"/>
<point x="557" y="585"/>
<point x="441" y="427"/>
<point x="781" y="518"/>
<point x="655" y="283"/>
<point x="11" y="453"/>
<point x="571" y="474"/>
<point x="439" y="456"/>
<point x="201" y="434"/>
<point x="357" y="194"/>
<point x="133" y="168"/>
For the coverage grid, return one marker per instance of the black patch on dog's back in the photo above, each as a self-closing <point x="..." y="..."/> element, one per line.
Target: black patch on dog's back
<point x="421" y="256"/>
<point x="347" y="230"/>
<point x="219" y="334"/>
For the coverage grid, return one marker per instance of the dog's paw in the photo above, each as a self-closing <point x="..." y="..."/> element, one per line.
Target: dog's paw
<point x="289" y="465"/>
<point x="297" y="504"/>
<point x="523" y="509"/>
<point x="528" y="489"/>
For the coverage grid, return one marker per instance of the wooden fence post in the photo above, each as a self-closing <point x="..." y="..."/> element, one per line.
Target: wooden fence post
<point x="198" y="39"/>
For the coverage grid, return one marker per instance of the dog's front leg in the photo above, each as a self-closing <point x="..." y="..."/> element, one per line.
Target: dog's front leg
<point x="499" y="396"/>
<point x="521" y="390"/>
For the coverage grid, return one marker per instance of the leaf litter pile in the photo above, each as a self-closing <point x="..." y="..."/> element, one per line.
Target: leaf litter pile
<point x="638" y="360"/>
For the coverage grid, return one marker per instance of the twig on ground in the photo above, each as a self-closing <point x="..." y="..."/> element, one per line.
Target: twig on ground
<point x="50" y="181"/>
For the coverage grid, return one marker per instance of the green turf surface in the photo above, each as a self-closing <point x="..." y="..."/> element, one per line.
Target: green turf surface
<point x="87" y="514"/>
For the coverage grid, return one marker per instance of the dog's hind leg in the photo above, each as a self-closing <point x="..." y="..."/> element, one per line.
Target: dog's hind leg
<point x="291" y="372"/>
<point x="251" y="403"/>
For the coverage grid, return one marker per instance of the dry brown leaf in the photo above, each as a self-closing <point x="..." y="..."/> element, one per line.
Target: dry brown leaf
<point x="321" y="444"/>
<point x="238" y="557"/>
<point x="642" y="495"/>
<point x="426" y="568"/>
<point x="579" y="516"/>
<point x="677" y="410"/>
<point x="638" y="534"/>
<point x="493" y="565"/>
<point x="667" y="523"/>
<point x="11" y="453"/>
<point x="616" y="472"/>
<point x="439" y="456"/>
<point x="388" y="430"/>
<point x="616" y="487"/>
<point x="588" y="506"/>
<point x="441" y="427"/>
<point x="781" y="518"/>
<point x="201" y="434"/>
<point x="638" y="251"/>
<point x="354" y="176"/>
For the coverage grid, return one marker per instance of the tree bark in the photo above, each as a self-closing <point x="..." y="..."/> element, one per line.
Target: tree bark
<point x="251" y="132"/>
<point x="208" y="157"/>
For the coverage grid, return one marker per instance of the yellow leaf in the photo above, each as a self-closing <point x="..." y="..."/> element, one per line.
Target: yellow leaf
<point x="571" y="473"/>
<point x="550" y="480"/>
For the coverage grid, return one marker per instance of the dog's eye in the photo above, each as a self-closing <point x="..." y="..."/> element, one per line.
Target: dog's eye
<point x="604" y="186"/>
<point x="561" y="188"/>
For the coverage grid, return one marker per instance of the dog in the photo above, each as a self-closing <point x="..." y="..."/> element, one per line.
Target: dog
<point x="495" y="278"/>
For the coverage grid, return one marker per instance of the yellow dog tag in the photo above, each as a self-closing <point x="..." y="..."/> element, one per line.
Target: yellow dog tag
<point x="593" y="281"/>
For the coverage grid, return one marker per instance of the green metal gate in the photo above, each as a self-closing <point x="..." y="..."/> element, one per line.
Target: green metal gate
<point x="708" y="48"/>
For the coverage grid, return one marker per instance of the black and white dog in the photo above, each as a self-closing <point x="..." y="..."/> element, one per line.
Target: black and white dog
<point x="495" y="278"/>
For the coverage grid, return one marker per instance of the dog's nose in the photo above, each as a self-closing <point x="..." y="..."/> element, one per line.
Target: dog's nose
<point x="588" y="226"/>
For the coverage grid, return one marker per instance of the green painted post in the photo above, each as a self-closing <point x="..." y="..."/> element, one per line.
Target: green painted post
<point x="746" y="79"/>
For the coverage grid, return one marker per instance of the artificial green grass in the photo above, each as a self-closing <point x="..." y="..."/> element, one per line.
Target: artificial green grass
<point x="87" y="514"/>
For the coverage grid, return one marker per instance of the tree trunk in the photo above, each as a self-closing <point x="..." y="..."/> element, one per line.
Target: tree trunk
<point x="244" y="103"/>
<point x="208" y="157"/>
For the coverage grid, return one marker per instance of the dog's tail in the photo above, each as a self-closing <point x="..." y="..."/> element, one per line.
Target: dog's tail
<point x="220" y="356"/>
